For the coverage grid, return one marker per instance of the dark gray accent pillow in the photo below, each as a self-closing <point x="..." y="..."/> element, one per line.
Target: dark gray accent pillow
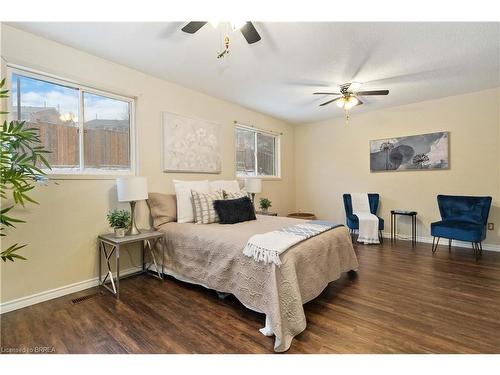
<point x="231" y="211"/>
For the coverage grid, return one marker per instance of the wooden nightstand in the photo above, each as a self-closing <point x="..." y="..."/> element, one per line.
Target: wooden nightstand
<point x="107" y="244"/>
<point x="268" y="213"/>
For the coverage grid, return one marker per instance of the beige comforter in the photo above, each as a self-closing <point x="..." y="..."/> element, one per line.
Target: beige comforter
<point x="212" y="255"/>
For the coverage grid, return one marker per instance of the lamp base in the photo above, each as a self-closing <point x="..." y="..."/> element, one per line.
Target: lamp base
<point x="132" y="231"/>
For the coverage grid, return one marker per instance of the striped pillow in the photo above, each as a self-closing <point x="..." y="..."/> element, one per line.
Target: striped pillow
<point x="240" y="194"/>
<point x="203" y="207"/>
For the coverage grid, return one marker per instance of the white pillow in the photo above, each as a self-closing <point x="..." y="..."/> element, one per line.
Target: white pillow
<point x="231" y="186"/>
<point x="184" y="203"/>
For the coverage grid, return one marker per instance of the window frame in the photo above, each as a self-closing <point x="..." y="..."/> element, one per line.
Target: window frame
<point x="277" y="152"/>
<point x="82" y="172"/>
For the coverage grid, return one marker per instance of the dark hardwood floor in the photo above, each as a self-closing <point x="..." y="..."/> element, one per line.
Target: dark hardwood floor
<point x="403" y="300"/>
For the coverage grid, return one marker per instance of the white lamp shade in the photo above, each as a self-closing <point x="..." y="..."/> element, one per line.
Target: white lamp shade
<point x="131" y="189"/>
<point x="253" y="185"/>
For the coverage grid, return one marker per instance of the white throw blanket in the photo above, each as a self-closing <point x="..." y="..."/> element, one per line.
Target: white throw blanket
<point x="368" y="222"/>
<point x="267" y="247"/>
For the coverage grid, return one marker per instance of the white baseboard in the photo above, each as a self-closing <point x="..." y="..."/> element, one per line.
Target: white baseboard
<point x="33" y="299"/>
<point x="444" y="241"/>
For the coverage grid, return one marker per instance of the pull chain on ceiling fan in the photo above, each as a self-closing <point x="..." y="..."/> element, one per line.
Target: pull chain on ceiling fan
<point x="349" y="96"/>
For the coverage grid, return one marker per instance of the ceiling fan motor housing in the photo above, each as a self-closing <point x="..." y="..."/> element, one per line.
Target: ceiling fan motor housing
<point x="344" y="88"/>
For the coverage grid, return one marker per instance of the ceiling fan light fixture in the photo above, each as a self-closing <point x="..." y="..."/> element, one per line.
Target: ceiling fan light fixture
<point x="350" y="102"/>
<point x="347" y="102"/>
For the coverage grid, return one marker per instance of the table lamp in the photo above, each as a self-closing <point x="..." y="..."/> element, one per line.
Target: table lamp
<point x="132" y="189"/>
<point x="253" y="186"/>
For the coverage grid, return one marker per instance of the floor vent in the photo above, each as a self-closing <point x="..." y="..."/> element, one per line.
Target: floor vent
<point x="84" y="298"/>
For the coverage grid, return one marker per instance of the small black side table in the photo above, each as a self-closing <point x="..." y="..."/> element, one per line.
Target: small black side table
<point x="413" y="215"/>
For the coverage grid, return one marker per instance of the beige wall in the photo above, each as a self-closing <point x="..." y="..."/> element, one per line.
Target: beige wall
<point x="332" y="158"/>
<point x="61" y="231"/>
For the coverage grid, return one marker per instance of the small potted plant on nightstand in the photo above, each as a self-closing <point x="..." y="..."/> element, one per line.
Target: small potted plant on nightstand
<point x="264" y="204"/>
<point x="119" y="220"/>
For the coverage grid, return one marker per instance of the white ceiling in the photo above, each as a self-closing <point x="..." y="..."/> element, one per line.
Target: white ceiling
<point x="277" y="76"/>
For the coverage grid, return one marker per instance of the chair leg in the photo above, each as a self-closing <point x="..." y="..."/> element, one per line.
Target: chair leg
<point x="478" y="249"/>
<point x="475" y="247"/>
<point x="449" y="245"/>
<point x="434" y="247"/>
<point x="380" y="237"/>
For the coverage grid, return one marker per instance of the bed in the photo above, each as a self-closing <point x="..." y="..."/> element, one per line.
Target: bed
<point x="211" y="255"/>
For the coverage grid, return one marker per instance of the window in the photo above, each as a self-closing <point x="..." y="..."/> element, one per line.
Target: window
<point x="87" y="131"/>
<point x="257" y="153"/>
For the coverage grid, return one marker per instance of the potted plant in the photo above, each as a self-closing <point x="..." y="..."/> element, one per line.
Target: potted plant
<point x="119" y="220"/>
<point x="21" y="170"/>
<point x="264" y="204"/>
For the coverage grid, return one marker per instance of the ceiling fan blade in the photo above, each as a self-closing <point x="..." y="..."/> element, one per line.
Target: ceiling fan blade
<point x="373" y="92"/>
<point x="250" y="33"/>
<point x="359" y="101"/>
<point x="330" y="101"/>
<point x="193" y="26"/>
<point x="326" y="93"/>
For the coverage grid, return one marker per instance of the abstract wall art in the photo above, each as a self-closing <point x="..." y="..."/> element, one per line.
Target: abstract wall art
<point x="190" y="145"/>
<point x="414" y="152"/>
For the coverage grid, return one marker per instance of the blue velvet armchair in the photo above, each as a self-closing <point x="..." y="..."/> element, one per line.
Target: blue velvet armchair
<point x="464" y="218"/>
<point x="352" y="221"/>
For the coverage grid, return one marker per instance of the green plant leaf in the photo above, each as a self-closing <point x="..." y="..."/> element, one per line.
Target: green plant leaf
<point x="10" y="253"/>
<point x="21" y="155"/>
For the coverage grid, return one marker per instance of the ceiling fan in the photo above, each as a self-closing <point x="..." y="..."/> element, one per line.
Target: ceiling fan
<point x="348" y="95"/>
<point x="247" y="29"/>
